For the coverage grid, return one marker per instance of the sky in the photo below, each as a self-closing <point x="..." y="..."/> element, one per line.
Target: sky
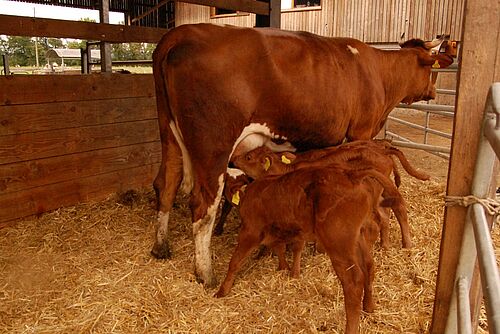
<point x="53" y="12"/>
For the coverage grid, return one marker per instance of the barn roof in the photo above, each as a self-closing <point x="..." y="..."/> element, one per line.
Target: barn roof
<point x="160" y="12"/>
<point x="114" y="5"/>
<point x="70" y="54"/>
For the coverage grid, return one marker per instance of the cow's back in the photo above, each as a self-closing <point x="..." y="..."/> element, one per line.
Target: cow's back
<point x="268" y="76"/>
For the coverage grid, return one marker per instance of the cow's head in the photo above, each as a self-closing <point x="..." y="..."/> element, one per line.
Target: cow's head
<point x="421" y="84"/>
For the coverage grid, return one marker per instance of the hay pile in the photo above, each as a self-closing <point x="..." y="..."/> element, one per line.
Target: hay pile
<point x="87" y="268"/>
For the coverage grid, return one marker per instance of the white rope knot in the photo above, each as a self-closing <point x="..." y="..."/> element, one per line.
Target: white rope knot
<point x="491" y="206"/>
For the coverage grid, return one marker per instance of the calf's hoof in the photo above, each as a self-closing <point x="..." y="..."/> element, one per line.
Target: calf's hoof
<point x="161" y="251"/>
<point x="221" y="293"/>
<point x="407" y="244"/>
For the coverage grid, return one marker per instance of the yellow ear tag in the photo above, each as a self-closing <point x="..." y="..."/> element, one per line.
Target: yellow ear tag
<point x="267" y="164"/>
<point x="436" y="64"/>
<point x="236" y="198"/>
<point x="285" y="160"/>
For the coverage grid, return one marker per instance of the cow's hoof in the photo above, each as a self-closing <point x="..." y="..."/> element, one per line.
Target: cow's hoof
<point x="161" y="251"/>
<point x="209" y="282"/>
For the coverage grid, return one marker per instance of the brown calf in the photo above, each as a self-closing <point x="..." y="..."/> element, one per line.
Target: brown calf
<point x="359" y="154"/>
<point x="331" y="205"/>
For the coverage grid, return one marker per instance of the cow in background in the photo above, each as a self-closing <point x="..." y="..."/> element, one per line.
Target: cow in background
<point x="218" y="85"/>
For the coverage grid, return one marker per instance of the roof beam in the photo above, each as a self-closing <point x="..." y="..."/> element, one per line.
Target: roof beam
<point x="249" y="6"/>
<point x="37" y="27"/>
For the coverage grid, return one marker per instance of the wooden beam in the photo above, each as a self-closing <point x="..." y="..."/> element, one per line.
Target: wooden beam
<point x="36" y="27"/>
<point x="479" y="68"/>
<point x="250" y="6"/>
<point x="273" y="19"/>
<point x="104" y="46"/>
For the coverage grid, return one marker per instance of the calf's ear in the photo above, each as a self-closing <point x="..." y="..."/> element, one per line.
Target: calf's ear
<point x="266" y="163"/>
<point x="287" y="157"/>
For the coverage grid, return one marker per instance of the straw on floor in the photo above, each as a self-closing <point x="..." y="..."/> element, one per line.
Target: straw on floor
<point x="88" y="269"/>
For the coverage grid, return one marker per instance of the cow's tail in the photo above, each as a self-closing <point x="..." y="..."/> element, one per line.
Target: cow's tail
<point x="167" y="119"/>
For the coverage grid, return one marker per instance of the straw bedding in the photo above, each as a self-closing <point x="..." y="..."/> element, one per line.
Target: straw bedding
<point x="87" y="268"/>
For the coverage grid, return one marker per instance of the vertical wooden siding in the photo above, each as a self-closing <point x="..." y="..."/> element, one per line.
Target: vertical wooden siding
<point x="66" y="139"/>
<point x="376" y="21"/>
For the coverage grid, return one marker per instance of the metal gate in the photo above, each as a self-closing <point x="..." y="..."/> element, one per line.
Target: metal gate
<point x="477" y="242"/>
<point x="428" y="110"/>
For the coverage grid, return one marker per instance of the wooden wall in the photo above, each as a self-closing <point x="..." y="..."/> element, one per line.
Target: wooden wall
<point x="67" y="139"/>
<point x="376" y="21"/>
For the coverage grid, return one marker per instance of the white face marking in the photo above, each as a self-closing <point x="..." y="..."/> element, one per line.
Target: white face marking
<point x="234" y="172"/>
<point x="353" y="50"/>
<point x="187" y="180"/>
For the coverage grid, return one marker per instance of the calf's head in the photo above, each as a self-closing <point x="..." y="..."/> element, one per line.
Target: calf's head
<point x="262" y="162"/>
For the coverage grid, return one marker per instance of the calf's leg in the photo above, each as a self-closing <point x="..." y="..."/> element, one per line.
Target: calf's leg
<point x="247" y="242"/>
<point x="297" y="248"/>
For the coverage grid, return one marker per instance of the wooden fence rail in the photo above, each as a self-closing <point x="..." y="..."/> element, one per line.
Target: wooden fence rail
<point x="68" y="139"/>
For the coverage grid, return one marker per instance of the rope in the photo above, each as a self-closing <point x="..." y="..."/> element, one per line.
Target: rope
<point x="491" y="206"/>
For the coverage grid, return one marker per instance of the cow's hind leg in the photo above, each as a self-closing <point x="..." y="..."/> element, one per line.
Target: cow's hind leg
<point x="204" y="217"/>
<point x="166" y="184"/>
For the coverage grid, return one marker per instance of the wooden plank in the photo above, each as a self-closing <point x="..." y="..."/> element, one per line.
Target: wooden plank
<point x="481" y="45"/>
<point x="17" y="119"/>
<point x="35" y="173"/>
<point x="38" y="27"/>
<point x="44" y="144"/>
<point x="42" y="199"/>
<point x="250" y="6"/>
<point x="26" y="89"/>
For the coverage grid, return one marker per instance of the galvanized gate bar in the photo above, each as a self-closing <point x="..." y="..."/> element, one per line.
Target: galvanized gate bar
<point x="420" y="127"/>
<point x="428" y="107"/>
<point x="425" y="147"/>
<point x="463" y="310"/>
<point x="490" y="280"/>
<point x="446" y="91"/>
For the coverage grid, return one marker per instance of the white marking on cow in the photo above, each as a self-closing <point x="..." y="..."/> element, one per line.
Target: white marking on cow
<point x="162" y="231"/>
<point x="187" y="180"/>
<point x="234" y="172"/>
<point x="255" y="135"/>
<point x="353" y="50"/>
<point x="202" y="231"/>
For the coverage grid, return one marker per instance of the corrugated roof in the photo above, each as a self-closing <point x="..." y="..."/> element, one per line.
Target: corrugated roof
<point x="133" y="8"/>
<point x="70" y="54"/>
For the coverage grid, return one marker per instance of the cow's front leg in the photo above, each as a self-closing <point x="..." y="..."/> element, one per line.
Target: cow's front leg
<point x="202" y="233"/>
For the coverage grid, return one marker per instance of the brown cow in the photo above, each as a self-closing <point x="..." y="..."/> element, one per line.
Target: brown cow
<point x="377" y="154"/>
<point x="329" y="204"/>
<point x="218" y="86"/>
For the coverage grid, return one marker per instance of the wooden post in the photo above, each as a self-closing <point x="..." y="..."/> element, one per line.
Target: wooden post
<point x="6" y="68"/>
<point x="105" y="47"/>
<point x="273" y="19"/>
<point x="479" y="68"/>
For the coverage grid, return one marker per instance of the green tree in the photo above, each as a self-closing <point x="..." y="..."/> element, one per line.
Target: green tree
<point x="21" y="51"/>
